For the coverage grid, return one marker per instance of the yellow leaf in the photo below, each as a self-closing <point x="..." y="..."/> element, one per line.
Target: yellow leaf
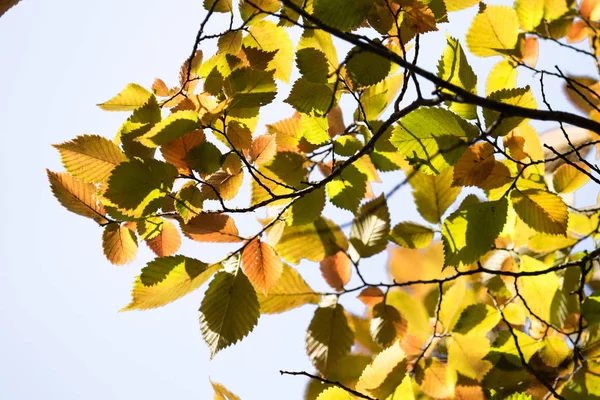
<point x="289" y="292"/>
<point x="554" y="351"/>
<point x="217" y="228"/>
<point x="530" y="13"/>
<point x="167" y="242"/>
<point x="433" y="194"/>
<point x="90" y="158"/>
<point x="269" y="37"/>
<point x="568" y="178"/>
<point x="502" y="76"/>
<point x="466" y="353"/>
<point x="454" y="301"/>
<point x="436" y="379"/>
<point x="538" y="291"/>
<point x="263" y="149"/>
<point x="335" y="393"/>
<point x="166" y="279"/>
<point x="221" y="392"/>
<point x="119" y="244"/>
<point x="457" y="5"/>
<point x="336" y="270"/>
<point x="542" y="211"/>
<point x="411" y="235"/>
<point x="261" y="264"/>
<point x="76" y="196"/>
<point x="132" y="97"/>
<point x="227" y="185"/>
<point x="385" y="373"/>
<point x="493" y="32"/>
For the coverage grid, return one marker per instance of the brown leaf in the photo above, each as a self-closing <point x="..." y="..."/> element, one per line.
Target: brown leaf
<point x="175" y="152"/>
<point x="335" y="120"/>
<point x="160" y="88"/>
<point x="336" y="270"/>
<point x="475" y="165"/>
<point x="215" y="228"/>
<point x="371" y="296"/>
<point x="263" y="149"/>
<point x="167" y="242"/>
<point x="119" y="244"/>
<point x="261" y="264"/>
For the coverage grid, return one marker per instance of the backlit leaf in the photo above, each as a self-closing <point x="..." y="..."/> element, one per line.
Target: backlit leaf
<point x="308" y="208"/>
<point x="436" y="379"/>
<point x="188" y="201"/>
<point x="336" y="270"/>
<point x="530" y="13"/>
<point x="76" y="196"/>
<point x="90" y="158"/>
<point x="171" y="128"/>
<point x="494" y="31"/>
<point x="263" y="149"/>
<point x="132" y="97"/>
<point x="370" y="229"/>
<point x="522" y="97"/>
<point x="475" y="165"/>
<point x="433" y="194"/>
<point x="537" y="291"/>
<point x="310" y="97"/>
<point x="554" y="351"/>
<point x="387" y="324"/>
<point x="567" y="178"/>
<point x="289" y="292"/>
<point x="366" y="69"/>
<point x="466" y="353"/>
<point x="166" y="279"/>
<point x="335" y="393"/>
<point x="175" y="152"/>
<point x="543" y="211"/>
<point x="347" y="189"/>
<point x="261" y="264"/>
<point x="221" y="393"/>
<point x="249" y="88"/>
<point x="119" y="244"/>
<point x="502" y="76"/>
<point x="371" y="296"/>
<point x="457" y="5"/>
<point x="218" y="6"/>
<point x="385" y="373"/>
<point x="342" y="14"/>
<point x="267" y="36"/>
<point x="167" y="242"/>
<point x="411" y="235"/>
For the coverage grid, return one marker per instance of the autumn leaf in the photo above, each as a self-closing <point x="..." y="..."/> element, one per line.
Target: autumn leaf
<point x="261" y="264"/>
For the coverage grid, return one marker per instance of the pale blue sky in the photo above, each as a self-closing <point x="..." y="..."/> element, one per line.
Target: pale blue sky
<point x="61" y="336"/>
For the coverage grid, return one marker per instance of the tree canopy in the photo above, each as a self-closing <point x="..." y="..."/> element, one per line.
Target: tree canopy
<point x="492" y="294"/>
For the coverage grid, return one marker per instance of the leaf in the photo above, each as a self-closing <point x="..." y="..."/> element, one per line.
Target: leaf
<point x="411" y="235"/>
<point x="204" y="158"/>
<point x="166" y="279"/>
<point x="212" y="228"/>
<point x="522" y="97"/>
<point x="167" y="242"/>
<point x="132" y="97"/>
<point x="590" y="308"/>
<point x="432" y="139"/>
<point x="134" y="186"/>
<point x="466" y="353"/>
<point x="138" y="124"/>
<point x="312" y="64"/>
<point x="413" y="311"/>
<point x="387" y="324"/>
<point x="263" y="149"/>
<point x="225" y="184"/>
<point x="436" y="379"/>
<point x="475" y="165"/>
<point x="454" y="301"/>
<point x="308" y="208"/>
<point x="376" y="98"/>
<point x="502" y="76"/>
<point x="90" y="158"/>
<point x="290" y="291"/>
<point x="371" y="296"/>
<point x="229" y="310"/>
<point x="365" y="68"/>
<point x="329" y="337"/>
<point x="76" y="196"/>
<point x="222" y="6"/>
<point x="267" y="36"/>
<point x="189" y="202"/>
<point x="370" y="228"/>
<point x="249" y="88"/>
<point x="341" y="14"/>
<point x="173" y="127"/>
<point x="315" y="241"/>
<point x="347" y="189"/>
<point x="568" y="178"/>
<point x="221" y="393"/>
<point x="542" y="211"/>
<point x="478" y="320"/>
<point x="470" y="231"/>
<point x="493" y="32"/>
<point x="310" y="97"/>
<point x="537" y="291"/>
<point x="335" y="393"/>
<point x="433" y="194"/>
<point x="554" y="351"/>
<point x="261" y="264"/>
<point x="385" y="373"/>
<point x="175" y="152"/>
<point x="315" y="129"/>
<point x="530" y="13"/>
<point x="119" y="244"/>
<point x="336" y="270"/>
<point x="457" y="5"/>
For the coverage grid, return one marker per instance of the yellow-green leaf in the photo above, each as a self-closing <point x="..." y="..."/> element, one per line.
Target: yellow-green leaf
<point x="366" y="68"/>
<point x="385" y="373"/>
<point x="502" y="76"/>
<point x="290" y="291"/>
<point x="568" y="178"/>
<point x="542" y="211"/>
<point x="538" y="291"/>
<point x="267" y="36"/>
<point x="466" y="353"/>
<point x="530" y="13"/>
<point x="188" y="202"/>
<point x="347" y="189"/>
<point x="76" y="196"/>
<point x="522" y="97"/>
<point x="554" y="351"/>
<point x="119" y="244"/>
<point x="411" y="235"/>
<point x="166" y="279"/>
<point x="171" y="128"/>
<point x="494" y="31"/>
<point x="457" y="5"/>
<point x="218" y="5"/>
<point x="90" y="158"/>
<point x="433" y="194"/>
<point x="342" y="14"/>
<point x="132" y="97"/>
<point x="370" y="228"/>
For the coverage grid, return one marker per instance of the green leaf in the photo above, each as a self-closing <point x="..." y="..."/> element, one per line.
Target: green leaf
<point x="312" y="64"/>
<point x="315" y="241"/>
<point x="329" y="337"/>
<point x="387" y="324"/>
<point x="342" y="14"/>
<point x="538" y="291"/>
<point x="132" y="97"/>
<point x="470" y="231"/>
<point x="171" y="128"/>
<point x="204" y="158"/>
<point x="366" y="69"/>
<point x="138" y="124"/>
<point x="530" y="13"/>
<point x="308" y="208"/>
<point x="477" y="320"/>
<point x="222" y="6"/>
<point x="432" y="139"/>
<point x="453" y="67"/>
<point x="375" y="99"/>
<point x="522" y="97"/>
<point x="90" y="158"/>
<point x="134" y="186"/>
<point x="347" y="189"/>
<point x="188" y="201"/>
<point x="494" y="31"/>
<point x="346" y="145"/>
<point x="249" y="88"/>
<point x="267" y="36"/>
<point x="370" y="228"/>
<point x="315" y="129"/>
<point x="433" y="194"/>
<point x="542" y="211"/>
<point x="411" y="235"/>
<point x="590" y="308"/>
<point x="76" y="196"/>
<point x="290" y="291"/>
<point x="229" y="310"/>
<point x="311" y="97"/>
<point x="166" y="279"/>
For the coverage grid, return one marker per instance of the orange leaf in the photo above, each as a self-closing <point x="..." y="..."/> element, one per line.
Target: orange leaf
<point x="515" y="145"/>
<point x="475" y="165"/>
<point x="175" y="151"/>
<point x="119" y="244"/>
<point x="371" y="296"/>
<point x="167" y="242"/>
<point x="531" y="51"/>
<point x="262" y="265"/>
<point x="589" y="9"/>
<point x="216" y="228"/>
<point x="336" y="270"/>
<point x="436" y="379"/>
<point x="499" y="177"/>
<point x="577" y="32"/>
<point x="263" y="149"/>
<point x="335" y="120"/>
<point x="160" y="88"/>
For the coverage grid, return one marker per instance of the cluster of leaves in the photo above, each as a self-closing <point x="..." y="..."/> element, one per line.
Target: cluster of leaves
<point x="489" y="298"/>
